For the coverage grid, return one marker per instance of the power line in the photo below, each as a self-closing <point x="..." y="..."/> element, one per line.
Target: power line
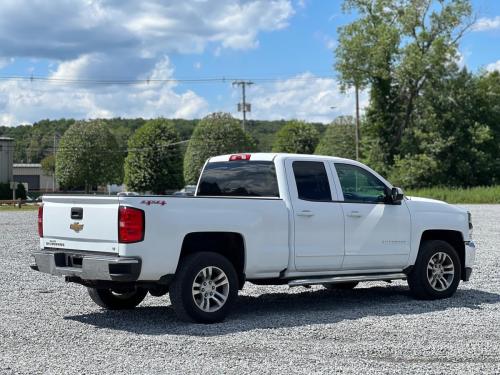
<point x="61" y="80"/>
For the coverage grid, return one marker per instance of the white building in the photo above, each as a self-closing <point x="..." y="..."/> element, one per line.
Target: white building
<point x="34" y="176"/>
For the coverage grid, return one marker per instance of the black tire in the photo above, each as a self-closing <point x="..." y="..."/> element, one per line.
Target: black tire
<point x="418" y="279"/>
<point x="181" y="290"/>
<point x="342" y="286"/>
<point x="117" y="300"/>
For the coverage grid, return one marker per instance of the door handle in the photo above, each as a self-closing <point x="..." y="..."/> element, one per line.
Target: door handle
<point x="306" y="213"/>
<point x="354" y="214"/>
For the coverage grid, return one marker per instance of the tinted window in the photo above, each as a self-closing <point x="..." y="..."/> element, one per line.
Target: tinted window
<point x="312" y="181"/>
<point x="359" y="185"/>
<point x="239" y="178"/>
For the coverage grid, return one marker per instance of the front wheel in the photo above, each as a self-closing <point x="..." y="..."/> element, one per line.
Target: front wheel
<point x="116" y="299"/>
<point x="436" y="273"/>
<point x="204" y="289"/>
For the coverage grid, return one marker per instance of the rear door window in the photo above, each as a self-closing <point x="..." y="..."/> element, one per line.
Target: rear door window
<point x="312" y="181"/>
<point x="239" y="178"/>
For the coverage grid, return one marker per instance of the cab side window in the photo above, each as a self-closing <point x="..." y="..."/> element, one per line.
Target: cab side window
<point x="359" y="185"/>
<point x="312" y="181"/>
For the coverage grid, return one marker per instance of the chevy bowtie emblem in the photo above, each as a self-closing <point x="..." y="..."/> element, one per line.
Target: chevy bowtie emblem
<point x="77" y="227"/>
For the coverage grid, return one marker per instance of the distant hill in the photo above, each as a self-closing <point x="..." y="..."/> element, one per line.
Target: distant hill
<point x="34" y="142"/>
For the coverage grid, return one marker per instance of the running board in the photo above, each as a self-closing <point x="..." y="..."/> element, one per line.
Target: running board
<point x="343" y="279"/>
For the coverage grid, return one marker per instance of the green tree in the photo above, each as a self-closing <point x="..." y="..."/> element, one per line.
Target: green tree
<point x="339" y="139"/>
<point x="154" y="160"/>
<point x="396" y="48"/>
<point x="296" y="137"/>
<point x="456" y="138"/>
<point x="414" y="171"/>
<point x="88" y="155"/>
<point x="49" y="164"/>
<point x="216" y="134"/>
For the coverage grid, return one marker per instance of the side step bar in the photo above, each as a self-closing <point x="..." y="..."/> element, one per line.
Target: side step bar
<point x="343" y="279"/>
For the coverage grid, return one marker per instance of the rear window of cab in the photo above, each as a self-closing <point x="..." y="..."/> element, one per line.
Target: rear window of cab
<point x="241" y="178"/>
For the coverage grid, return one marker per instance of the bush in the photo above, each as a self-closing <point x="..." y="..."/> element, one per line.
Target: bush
<point x="414" y="171"/>
<point x="20" y="191"/>
<point x="339" y="139"/>
<point x="296" y="137"/>
<point x="216" y="134"/>
<point x="88" y="155"/>
<point x="154" y="161"/>
<point x="5" y="191"/>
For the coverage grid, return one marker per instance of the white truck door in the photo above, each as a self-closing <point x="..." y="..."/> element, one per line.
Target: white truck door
<point x="318" y="219"/>
<point x="377" y="234"/>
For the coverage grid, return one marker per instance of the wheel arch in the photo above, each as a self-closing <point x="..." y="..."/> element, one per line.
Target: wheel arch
<point x="228" y="244"/>
<point x="453" y="237"/>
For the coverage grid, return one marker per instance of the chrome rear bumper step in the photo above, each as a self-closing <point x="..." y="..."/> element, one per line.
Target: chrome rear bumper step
<point x="343" y="279"/>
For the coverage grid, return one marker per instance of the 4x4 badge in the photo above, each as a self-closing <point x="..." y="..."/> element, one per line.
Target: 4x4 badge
<point x="77" y="227"/>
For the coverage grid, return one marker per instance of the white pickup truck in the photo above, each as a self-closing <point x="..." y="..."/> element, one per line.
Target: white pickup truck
<point x="264" y="218"/>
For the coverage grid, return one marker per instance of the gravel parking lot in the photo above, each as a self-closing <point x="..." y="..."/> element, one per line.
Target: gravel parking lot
<point x="48" y="326"/>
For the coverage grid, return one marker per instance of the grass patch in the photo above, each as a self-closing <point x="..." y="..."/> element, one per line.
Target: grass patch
<point x="481" y="194"/>
<point x="24" y="207"/>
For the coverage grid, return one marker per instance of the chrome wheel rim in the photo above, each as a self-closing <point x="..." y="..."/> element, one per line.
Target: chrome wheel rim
<point x="440" y="271"/>
<point x="210" y="289"/>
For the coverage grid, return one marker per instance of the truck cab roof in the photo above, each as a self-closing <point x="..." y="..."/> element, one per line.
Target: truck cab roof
<point x="271" y="156"/>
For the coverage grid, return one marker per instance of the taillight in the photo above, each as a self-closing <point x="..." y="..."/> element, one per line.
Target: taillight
<point x="40" y="220"/>
<point x="131" y="224"/>
<point x="240" y="157"/>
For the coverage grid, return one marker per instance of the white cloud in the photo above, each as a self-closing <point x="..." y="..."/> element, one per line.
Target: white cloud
<point x="302" y="3"/>
<point x="484" y="24"/>
<point x="65" y="30"/>
<point x="493" y="66"/>
<point x="328" y="41"/>
<point x="26" y="102"/>
<point x="117" y="40"/>
<point x="5" y="61"/>
<point x="304" y="97"/>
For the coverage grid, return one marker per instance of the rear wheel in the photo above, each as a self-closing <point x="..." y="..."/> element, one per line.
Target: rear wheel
<point x="342" y="286"/>
<point x="116" y="299"/>
<point x="204" y="289"/>
<point x="436" y="273"/>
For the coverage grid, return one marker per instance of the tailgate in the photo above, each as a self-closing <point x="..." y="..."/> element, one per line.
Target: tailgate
<point x="80" y="223"/>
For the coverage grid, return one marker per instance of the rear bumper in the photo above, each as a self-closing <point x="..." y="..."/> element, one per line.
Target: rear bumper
<point x="86" y="266"/>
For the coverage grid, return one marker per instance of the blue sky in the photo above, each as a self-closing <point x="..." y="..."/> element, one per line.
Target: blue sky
<point x="291" y="41"/>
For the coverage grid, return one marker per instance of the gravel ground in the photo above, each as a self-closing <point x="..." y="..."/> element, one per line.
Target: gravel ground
<point x="47" y="326"/>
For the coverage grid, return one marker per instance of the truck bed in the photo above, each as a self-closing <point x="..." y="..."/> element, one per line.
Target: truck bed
<point x="263" y="222"/>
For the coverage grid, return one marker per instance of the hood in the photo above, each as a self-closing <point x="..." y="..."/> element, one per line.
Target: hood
<point x="420" y="199"/>
<point x="427" y="204"/>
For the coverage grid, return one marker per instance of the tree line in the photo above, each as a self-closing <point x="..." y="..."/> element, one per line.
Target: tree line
<point x="157" y="160"/>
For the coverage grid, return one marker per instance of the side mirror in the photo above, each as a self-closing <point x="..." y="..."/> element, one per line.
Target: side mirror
<point x="397" y="195"/>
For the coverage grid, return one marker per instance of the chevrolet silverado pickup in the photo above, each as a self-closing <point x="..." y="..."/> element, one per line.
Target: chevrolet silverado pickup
<point x="264" y="218"/>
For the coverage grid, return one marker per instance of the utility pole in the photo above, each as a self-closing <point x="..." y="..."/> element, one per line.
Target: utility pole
<point x="357" y="121"/>
<point x="54" y="171"/>
<point x="243" y="106"/>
